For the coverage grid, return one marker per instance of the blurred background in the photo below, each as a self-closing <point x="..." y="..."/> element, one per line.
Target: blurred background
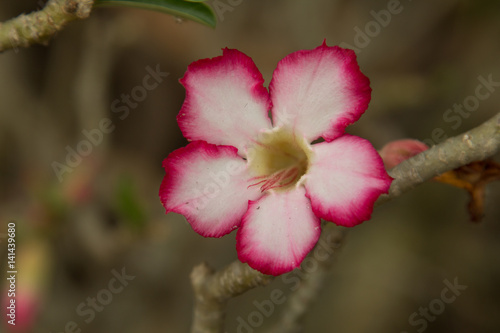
<point x="80" y="226"/>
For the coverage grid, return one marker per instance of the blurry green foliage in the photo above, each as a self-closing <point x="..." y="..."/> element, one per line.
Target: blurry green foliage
<point x="128" y="204"/>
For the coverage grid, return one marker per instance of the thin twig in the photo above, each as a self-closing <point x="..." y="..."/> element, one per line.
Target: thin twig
<point x="39" y="26"/>
<point x="214" y="289"/>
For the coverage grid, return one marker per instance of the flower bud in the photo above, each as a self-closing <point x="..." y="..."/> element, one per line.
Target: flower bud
<point x="397" y="151"/>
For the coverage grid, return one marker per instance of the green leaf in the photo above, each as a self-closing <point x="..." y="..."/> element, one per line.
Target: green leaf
<point x="128" y="204"/>
<point x="193" y="10"/>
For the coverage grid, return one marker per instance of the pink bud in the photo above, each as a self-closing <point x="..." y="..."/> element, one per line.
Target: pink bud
<point x="397" y="151"/>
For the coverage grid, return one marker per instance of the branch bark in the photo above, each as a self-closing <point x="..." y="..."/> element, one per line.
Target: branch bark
<point x="39" y="26"/>
<point x="214" y="289"/>
<point x="475" y="145"/>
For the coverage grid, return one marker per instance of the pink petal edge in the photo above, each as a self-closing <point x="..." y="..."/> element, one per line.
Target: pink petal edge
<point x="208" y="185"/>
<point x="277" y="232"/>
<point x="345" y="179"/>
<point x="226" y="102"/>
<point x="319" y="92"/>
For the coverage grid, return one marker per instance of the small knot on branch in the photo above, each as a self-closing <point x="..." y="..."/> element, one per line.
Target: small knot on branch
<point x="200" y="274"/>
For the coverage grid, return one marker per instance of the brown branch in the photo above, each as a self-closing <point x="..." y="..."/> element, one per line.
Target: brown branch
<point x="214" y="289"/>
<point x="39" y="26"/>
<point x="475" y="145"/>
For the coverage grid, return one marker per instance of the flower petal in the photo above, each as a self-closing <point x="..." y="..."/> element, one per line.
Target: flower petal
<point x="277" y="232"/>
<point x="226" y="102"/>
<point x="344" y="179"/>
<point x="319" y="92"/>
<point x="208" y="184"/>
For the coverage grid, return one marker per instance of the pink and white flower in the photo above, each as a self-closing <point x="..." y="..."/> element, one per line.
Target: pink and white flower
<point x="261" y="174"/>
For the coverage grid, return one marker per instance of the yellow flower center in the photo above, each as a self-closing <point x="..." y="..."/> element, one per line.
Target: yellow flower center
<point x="278" y="160"/>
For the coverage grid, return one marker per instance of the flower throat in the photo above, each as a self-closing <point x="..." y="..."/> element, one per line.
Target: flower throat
<point x="278" y="160"/>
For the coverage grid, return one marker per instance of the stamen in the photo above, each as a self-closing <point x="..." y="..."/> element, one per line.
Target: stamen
<point x="278" y="179"/>
<point x="262" y="181"/>
<point x="278" y="159"/>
